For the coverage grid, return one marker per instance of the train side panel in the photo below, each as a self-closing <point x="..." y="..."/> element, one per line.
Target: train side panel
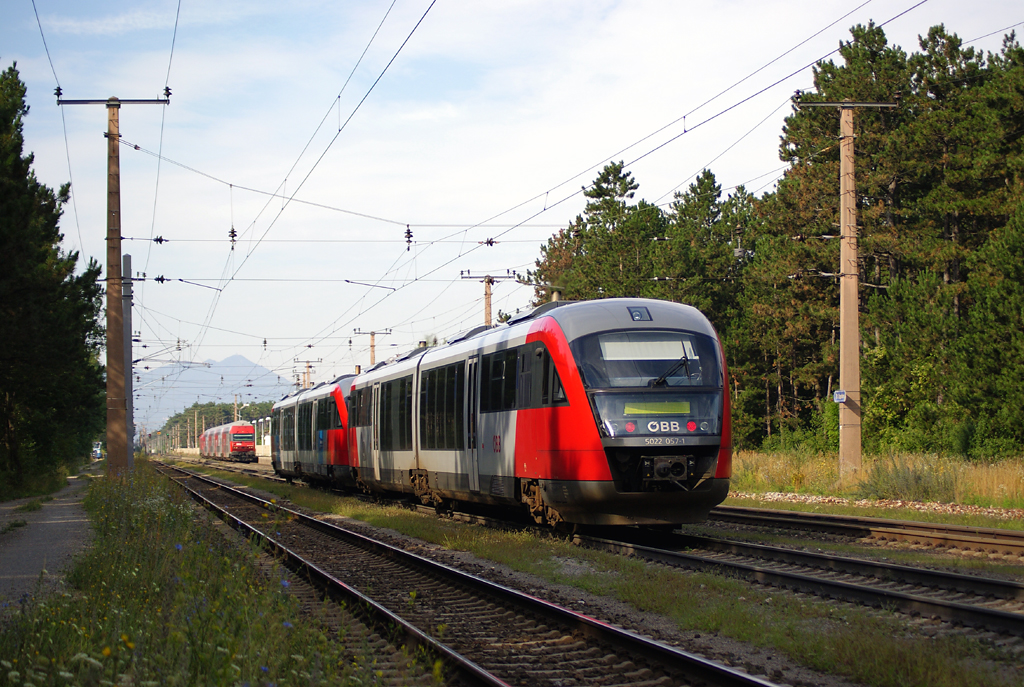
<point x="557" y="440"/>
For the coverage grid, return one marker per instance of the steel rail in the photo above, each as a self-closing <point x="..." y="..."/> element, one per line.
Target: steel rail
<point x="965" y="614"/>
<point x="693" y="667"/>
<point x="889" y="572"/>
<point x="375" y="614"/>
<point x="987" y="539"/>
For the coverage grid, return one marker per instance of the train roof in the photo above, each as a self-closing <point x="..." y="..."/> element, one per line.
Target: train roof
<point x="321" y="389"/>
<point x="587" y="317"/>
<point x="578" y="319"/>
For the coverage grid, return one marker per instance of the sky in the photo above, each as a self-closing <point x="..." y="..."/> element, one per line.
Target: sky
<point x="322" y="131"/>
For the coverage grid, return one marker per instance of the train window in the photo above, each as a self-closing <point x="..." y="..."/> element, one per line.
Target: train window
<point x="557" y="390"/>
<point x="642" y="358"/>
<point x="288" y="429"/>
<point x="305" y="426"/>
<point x="396" y="414"/>
<point x="525" y="391"/>
<point x="498" y="381"/>
<point x="359" y="410"/>
<point x="335" y="415"/>
<point x="539" y="383"/>
<point x="442" y="401"/>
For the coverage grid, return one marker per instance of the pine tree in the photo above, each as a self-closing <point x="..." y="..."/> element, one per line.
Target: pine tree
<point x="51" y="385"/>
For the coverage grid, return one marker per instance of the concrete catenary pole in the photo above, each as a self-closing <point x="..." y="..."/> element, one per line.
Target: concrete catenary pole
<point x="848" y="395"/>
<point x="117" y="431"/>
<point x="373" y="342"/>
<point x="849" y="307"/>
<point x="118" y="456"/>
<point x="488" y="281"/>
<point x="126" y="311"/>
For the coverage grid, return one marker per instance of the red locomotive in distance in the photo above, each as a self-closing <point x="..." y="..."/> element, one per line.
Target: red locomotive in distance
<point x="235" y="441"/>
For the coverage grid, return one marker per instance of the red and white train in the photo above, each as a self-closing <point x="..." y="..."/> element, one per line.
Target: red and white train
<point x="309" y="435"/>
<point x="608" y="412"/>
<point x="235" y="441"/>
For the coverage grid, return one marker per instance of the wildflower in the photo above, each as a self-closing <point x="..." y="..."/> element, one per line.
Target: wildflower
<point x="87" y="659"/>
<point x="287" y="624"/>
<point x="265" y="669"/>
<point x="178" y="547"/>
<point x="285" y="583"/>
<point x="106" y="651"/>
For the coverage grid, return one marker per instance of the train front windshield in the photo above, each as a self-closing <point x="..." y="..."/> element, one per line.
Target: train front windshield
<point x="243" y="437"/>
<point x="652" y="383"/>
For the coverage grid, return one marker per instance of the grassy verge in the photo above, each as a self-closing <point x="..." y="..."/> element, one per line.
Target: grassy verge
<point x="870" y="647"/>
<point x="901" y="477"/>
<point x="163" y="598"/>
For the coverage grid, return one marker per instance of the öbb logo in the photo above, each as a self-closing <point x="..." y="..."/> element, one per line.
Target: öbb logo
<point x="662" y="426"/>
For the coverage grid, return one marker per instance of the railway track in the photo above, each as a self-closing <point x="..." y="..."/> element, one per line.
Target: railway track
<point x="982" y="539"/>
<point x="980" y="603"/>
<point x="484" y="633"/>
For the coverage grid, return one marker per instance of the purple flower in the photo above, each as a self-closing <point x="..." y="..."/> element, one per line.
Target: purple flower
<point x="287" y="624"/>
<point x="178" y="547"/>
<point x="285" y="583"/>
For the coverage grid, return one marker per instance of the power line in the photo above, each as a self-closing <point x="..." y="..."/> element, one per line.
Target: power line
<point x="64" y="125"/>
<point x="45" y="47"/>
<point x="161" y="239"/>
<point x="174" y="37"/>
<point x="340" y="129"/>
<point x="216" y="300"/>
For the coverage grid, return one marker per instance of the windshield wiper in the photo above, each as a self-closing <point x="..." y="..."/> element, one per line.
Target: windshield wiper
<point x="682" y="362"/>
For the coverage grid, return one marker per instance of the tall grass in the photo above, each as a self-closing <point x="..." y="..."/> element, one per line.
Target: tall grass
<point x="898" y="476"/>
<point x="163" y="598"/>
<point x="784" y="471"/>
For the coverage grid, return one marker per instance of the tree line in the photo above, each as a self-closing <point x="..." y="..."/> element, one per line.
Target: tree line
<point x="52" y="388"/>
<point x="940" y="206"/>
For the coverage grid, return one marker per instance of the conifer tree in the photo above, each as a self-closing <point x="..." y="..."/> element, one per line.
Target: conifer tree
<point x="51" y="385"/>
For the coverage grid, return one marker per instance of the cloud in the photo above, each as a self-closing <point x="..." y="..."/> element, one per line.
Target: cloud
<point x="115" y="25"/>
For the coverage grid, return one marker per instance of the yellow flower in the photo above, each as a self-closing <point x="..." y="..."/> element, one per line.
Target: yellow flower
<point x="106" y="651"/>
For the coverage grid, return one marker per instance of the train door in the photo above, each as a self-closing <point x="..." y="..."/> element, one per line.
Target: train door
<point x="472" y="417"/>
<point x="375" y="431"/>
<point x="318" y="432"/>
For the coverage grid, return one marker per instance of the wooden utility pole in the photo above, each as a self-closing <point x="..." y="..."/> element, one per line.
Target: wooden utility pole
<point x="118" y="455"/>
<point x="848" y="395"/>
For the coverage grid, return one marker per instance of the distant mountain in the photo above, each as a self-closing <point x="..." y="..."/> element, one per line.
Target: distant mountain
<point x="164" y="391"/>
